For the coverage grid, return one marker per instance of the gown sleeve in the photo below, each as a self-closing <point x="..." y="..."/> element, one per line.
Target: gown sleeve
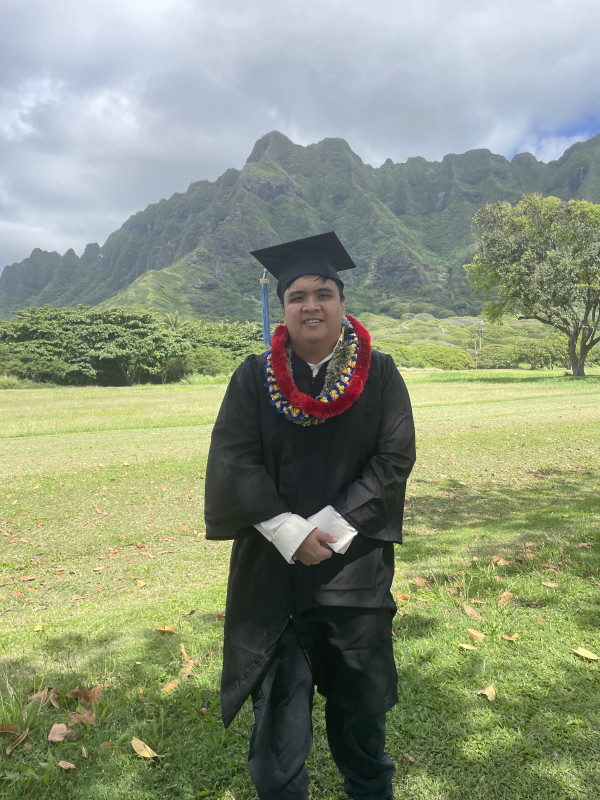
<point x="375" y="499"/>
<point x="239" y="492"/>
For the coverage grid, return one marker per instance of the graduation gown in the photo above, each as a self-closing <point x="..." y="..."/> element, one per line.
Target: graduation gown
<point x="261" y="465"/>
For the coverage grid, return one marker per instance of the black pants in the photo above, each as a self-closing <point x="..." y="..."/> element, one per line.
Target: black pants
<point x="349" y="657"/>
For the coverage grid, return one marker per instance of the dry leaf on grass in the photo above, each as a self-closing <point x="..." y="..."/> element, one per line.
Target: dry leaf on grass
<point x="48" y="693"/>
<point x="66" y="765"/>
<point x="508" y="638"/>
<point x="470" y="611"/>
<point x="89" y="718"/>
<point x="550" y="584"/>
<point x="479" y="637"/>
<point x="506" y="596"/>
<point x="9" y="728"/>
<point x="467" y="646"/>
<point x="488" y="692"/>
<point x="422" y="582"/>
<point x="586" y="655"/>
<point x="60" y="732"/>
<point x="498" y="561"/>
<point x="17" y="742"/>
<point x="402" y="598"/>
<point x="168" y="687"/>
<point x="87" y="697"/>
<point x="142" y="749"/>
<point x="166" y="629"/>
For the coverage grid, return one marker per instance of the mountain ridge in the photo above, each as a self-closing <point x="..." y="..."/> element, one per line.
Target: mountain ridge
<point x="407" y="226"/>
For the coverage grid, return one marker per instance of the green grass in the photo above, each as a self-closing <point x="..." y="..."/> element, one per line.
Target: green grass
<point x="101" y="507"/>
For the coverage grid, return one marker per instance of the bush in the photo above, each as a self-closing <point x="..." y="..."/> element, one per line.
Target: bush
<point x="441" y="357"/>
<point x="497" y="356"/>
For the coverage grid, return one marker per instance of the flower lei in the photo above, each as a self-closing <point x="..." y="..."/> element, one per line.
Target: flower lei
<point x="345" y="378"/>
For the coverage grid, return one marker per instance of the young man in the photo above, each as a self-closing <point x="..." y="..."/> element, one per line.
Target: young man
<point x="306" y="471"/>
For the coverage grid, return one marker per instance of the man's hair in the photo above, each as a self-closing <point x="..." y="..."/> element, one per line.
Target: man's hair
<point x="337" y="282"/>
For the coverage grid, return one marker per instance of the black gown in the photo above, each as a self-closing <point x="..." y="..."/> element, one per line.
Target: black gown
<point x="261" y="465"/>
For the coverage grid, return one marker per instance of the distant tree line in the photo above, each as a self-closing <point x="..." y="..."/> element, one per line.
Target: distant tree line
<point x="117" y="347"/>
<point x="113" y="346"/>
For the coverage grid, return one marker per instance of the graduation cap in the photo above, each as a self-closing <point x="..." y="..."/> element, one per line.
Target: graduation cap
<point x="322" y="255"/>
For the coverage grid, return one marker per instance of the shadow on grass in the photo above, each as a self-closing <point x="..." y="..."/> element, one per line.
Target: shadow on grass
<point x="553" y="503"/>
<point x="537" y="741"/>
<point x="478" y="377"/>
<point x="514" y="748"/>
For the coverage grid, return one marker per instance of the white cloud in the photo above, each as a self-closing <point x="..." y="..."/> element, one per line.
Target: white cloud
<point x="108" y="106"/>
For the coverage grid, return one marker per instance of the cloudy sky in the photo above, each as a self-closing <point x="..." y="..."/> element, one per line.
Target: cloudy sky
<point x="108" y="106"/>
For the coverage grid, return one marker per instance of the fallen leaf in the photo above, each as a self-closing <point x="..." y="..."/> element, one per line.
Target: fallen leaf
<point x="527" y="555"/>
<point x="467" y="646"/>
<point x="107" y="745"/>
<point x="586" y="655"/>
<point x="506" y="596"/>
<point x="451" y="590"/>
<point x="498" y="561"/>
<point x="27" y="578"/>
<point x="142" y="749"/>
<point x="168" y="687"/>
<point x="529" y="544"/>
<point x="17" y="742"/>
<point x="479" y="637"/>
<point x="470" y="611"/>
<point x="166" y="629"/>
<point x="410" y="759"/>
<point x="89" y="718"/>
<point x="84" y="752"/>
<point x="139" y="582"/>
<point x="584" y="544"/>
<point x="508" y="638"/>
<point x="488" y="692"/>
<point x="48" y="693"/>
<point x="418" y="581"/>
<point x="220" y="616"/>
<point x="77" y="597"/>
<point x="60" y="732"/>
<point x="10" y="729"/>
<point x="550" y="584"/>
<point x="66" y="765"/>
<point x="402" y="598"/>
<point x="87" y="697"/>
<point x="189" y="613"/>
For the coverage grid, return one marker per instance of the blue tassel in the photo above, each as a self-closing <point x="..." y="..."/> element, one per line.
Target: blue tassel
<point x="264" y="303"/>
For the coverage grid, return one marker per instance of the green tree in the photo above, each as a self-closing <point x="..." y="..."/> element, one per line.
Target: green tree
<point x="496" y="356"/>
<point x="87" y="345"/>
<point x="542" y="259"/>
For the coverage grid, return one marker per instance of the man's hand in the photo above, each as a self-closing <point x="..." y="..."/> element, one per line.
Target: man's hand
<point x="314" y="548"/>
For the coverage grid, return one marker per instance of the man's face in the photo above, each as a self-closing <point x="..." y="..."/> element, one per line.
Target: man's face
<point x="313" y="312"/>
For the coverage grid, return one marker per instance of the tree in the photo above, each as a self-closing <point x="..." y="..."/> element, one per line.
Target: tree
<point x="542" y="260"/>
<point x="86" y="345"/>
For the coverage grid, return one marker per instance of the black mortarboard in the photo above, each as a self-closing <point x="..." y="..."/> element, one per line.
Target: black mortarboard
<point x="322" y="255"/>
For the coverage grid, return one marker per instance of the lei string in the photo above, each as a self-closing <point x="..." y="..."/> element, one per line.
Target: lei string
<point x="345" y="378"/>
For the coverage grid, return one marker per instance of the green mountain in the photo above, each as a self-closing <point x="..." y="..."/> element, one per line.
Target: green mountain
<point x="408" y="227"/>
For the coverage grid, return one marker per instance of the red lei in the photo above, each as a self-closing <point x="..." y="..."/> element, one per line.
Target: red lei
<point x="324" y="408"/>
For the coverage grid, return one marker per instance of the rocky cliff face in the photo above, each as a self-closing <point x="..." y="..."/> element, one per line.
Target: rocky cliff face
<point x="408" y="227"/>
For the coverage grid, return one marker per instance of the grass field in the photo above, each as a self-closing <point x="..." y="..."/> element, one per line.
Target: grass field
<point x="101" y="544"/>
